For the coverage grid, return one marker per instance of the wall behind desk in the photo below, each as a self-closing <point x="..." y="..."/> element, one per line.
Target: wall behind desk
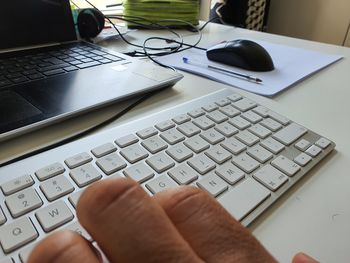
<point x="319" y="20"/>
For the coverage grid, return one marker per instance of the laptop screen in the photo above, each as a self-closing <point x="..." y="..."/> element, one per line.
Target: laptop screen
<point x="34" y="22"/>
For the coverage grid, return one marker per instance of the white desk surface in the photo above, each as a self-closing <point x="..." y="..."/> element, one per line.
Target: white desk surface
<point x="314" y="216"/>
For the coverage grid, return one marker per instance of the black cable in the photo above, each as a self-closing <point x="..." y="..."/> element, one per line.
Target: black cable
<point x="81" y="134"/>
<point x="154" y="25"/>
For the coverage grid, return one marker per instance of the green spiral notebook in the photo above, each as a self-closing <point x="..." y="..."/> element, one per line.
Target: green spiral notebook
<point x="160" y="10"/>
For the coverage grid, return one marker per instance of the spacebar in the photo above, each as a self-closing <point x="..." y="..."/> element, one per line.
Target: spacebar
<point x="243" y="198"/>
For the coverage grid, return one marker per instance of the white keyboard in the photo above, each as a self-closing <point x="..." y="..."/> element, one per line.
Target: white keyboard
<point x="240" y="152"/>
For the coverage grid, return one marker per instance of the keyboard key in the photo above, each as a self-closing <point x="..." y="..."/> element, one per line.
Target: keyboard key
<point x="154" y="144"/>
<point x="239" y="122"/>
<point x="271" y="124"/>
<point x="139" y="172"/>
<point x="245" y="162"/>
<point x="259" y="131"/>
<point x="172" y="136"/>
<point x="77" y="228"/>
<point x="146" y="133"/>
<point x="277" y="117"/>
<point x="23" y="202"/>
<point x="210" y="107"/>
<point x="54" y="72"/>
<point x="165" y="125"/>
<point x="160" y="162"/>
<point x="126" y="140"/>
<point x="290" y="133"/>
<point x="160" y="183"/>
<point x="85" y="60"/>
<point x="204" y="123"/>
<point x="78" y="159"/>
<point x="223" y="102"/>
<point x="188" y="129"/>
<point x="251" y="116"/>
<point x="247" y="138"/>
<point x="212" y="136"/>
<point x="201" y="163"/>
<point x="302" y="159"/>
<point x="70" y="68"/>
<point x="196" y="113"/>
<point x="230" y="111"/>
<point x="104" y="149"/>
<point x="134" y="153"/>
<point x="105" y="61"/>
<point x="88" y="64"/>
<point x="197" y="144"/>
<point x="35" y="76"/>
<point x="179" y="152"/>
<point x="233" y="145"/>
<point x="285" y="165"/>
<point x="54" y="216"/>
<point x="85" y="175"/>
<point x="234" y="97"/>
<point x="272" y="145"/>
<point x="226" y="129"/>
<point x="19" y="79"/>
<point x="50" y="171"/>
<point x="218" y="154"/>
<point x="6" y="260"/>
<point x="183" y="174"/>
<point x="230" y="173"/>
<point x="260" y="154"/>
<point x="313" y="150"/>
<point x="113" y="58"/>
<point x="4" y="83"/>
<point x="213" y="184"/>
<point x="74" y="198"/>
<point x="270" y="177"/>
<point x="56" y="187"/>
<point x="302" y="145"/>
<point x="180" y="119"/>
<point x="2" y="217"/>
<point x="244" y="104"/>
<point x="111" y="163"/>
<point x="25" y="253"/>
<point x="17" y="184"/>
<point x="217" y="116"/>
<point x="323" y="143"/>
<point x="249" y="193"/>
<point x="17" y="234"/>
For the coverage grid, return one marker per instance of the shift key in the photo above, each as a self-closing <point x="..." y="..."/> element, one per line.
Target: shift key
<point x="243" y="198"/>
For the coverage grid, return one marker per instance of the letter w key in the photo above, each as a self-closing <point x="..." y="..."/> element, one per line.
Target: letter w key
<point x="54" y="215"/>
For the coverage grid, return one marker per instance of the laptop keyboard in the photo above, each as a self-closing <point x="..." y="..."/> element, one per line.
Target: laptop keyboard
<point x="241" y="153"/>
<point x="25" y="68"/>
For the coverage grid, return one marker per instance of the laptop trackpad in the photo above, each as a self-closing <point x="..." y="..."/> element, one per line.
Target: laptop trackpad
<point x="14" y="108"/>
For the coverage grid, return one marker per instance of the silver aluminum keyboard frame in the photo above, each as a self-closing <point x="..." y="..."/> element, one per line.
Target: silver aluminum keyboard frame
<point x="32" y="164"/>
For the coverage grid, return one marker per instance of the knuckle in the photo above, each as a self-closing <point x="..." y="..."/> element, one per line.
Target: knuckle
<point x="101" y="195"/>
<point x="188" y="202"/>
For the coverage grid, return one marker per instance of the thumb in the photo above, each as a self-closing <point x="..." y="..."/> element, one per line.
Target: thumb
<point x="303" y="258"/>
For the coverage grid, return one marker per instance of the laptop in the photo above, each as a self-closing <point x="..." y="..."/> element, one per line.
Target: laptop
<point x="48" y="75"/>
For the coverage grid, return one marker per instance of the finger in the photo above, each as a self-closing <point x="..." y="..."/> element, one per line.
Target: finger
<point x="124" y="219"/>
<point x="303" y="258"/>
<point x="210" y="230"/>
<point x="62" y="247"/>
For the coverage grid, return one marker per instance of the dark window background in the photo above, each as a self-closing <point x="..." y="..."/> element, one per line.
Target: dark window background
<point x="31" y="22"/>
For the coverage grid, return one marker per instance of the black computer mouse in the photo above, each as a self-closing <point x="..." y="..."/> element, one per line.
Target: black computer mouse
<point x="243" y="54"/>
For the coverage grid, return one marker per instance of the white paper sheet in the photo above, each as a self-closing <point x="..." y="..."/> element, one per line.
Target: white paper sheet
<point x="291" y="65"/>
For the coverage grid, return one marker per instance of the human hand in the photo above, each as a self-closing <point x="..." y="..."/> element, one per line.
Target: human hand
<point x="179" y="225"/>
